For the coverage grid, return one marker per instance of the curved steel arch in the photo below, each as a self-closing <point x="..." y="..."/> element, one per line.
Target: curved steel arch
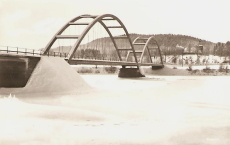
<point x="146" y="43"/>
<point x="48" y="46"/>
<point x="146" y="47"/>
<point x="159" y="51"/>
<point x="96" y="19"/>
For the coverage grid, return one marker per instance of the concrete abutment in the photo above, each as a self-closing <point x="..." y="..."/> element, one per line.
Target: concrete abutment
<point x="15" y="70"/>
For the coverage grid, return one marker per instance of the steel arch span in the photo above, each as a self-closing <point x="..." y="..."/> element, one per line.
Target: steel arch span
<point x="149" y="45"/>
<point x="101" y="19"/>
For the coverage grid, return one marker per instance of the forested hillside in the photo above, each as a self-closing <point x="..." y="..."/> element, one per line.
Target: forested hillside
<point x="170" y="44"/>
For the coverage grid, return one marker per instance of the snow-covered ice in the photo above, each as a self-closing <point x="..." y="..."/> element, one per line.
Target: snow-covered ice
<point x="106" y="109"/>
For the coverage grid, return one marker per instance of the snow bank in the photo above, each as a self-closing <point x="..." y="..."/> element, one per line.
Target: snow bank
<point x="52" y="75"/>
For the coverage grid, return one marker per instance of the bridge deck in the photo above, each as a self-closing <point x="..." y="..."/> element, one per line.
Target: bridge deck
<point x="89" y="62"/>
<point x="106" y="62"/>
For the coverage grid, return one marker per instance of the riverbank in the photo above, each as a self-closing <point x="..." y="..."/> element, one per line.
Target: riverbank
<point x="168" y="70"/>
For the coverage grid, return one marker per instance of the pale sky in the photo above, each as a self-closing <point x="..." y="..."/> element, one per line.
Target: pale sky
<point x="32" y="23"/>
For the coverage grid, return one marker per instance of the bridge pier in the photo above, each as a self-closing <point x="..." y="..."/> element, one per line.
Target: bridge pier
<point x="157" y="67"/>
<point x="130" y="72"/>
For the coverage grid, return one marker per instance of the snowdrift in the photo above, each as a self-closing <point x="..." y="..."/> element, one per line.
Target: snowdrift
<point x="51" y="75"/>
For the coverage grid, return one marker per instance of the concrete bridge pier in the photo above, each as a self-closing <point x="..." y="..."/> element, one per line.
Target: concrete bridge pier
<point x="157" y="67"/>
<point x="129" y="72"/>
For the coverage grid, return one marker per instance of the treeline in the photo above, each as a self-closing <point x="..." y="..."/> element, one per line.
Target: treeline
<point x="94" y="54"/>
<point x="170" y="44"/>
<point x="222" y="49"/>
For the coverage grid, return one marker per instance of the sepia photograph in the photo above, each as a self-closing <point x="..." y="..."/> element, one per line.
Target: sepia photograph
<point x="114" y="72"/>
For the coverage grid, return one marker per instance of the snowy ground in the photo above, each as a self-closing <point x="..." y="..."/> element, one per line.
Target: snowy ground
<point x="58" y="106"/>
<point x="161" y="110"/>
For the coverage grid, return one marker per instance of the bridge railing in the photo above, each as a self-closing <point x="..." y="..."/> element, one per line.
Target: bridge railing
<point x="57" y="54"/>
<point x="18" y="50"/>
<point x="34" y="52"/>
<point x="26" y="51"/>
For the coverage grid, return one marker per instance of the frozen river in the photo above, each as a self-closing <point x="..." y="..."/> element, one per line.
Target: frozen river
<point x="151" y="110"/>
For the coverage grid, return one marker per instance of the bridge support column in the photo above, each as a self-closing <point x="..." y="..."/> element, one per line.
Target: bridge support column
<point x="157" y="67"/>
<point x="129" y="73"/>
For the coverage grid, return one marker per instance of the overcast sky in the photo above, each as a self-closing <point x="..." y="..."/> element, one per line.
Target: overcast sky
<point x="32" y="23"/>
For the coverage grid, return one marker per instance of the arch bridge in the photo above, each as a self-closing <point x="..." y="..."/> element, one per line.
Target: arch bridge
<point x="140" y="52"/>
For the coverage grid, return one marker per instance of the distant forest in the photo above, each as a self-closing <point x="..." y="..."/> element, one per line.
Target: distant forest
<point x="170" y="44"/>
<point x="174" y="44"/>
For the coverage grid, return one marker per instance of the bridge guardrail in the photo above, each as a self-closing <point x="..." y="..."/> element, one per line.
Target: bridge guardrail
<point x="34" y="52"/>
<point x="26" y="51"/>
<point x="18" y="50"/>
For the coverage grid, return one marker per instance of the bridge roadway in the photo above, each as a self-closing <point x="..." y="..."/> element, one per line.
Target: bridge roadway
<point x="87" y="61"/>
<point x="106" y="62"/>
<point x="16" y="69"/>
